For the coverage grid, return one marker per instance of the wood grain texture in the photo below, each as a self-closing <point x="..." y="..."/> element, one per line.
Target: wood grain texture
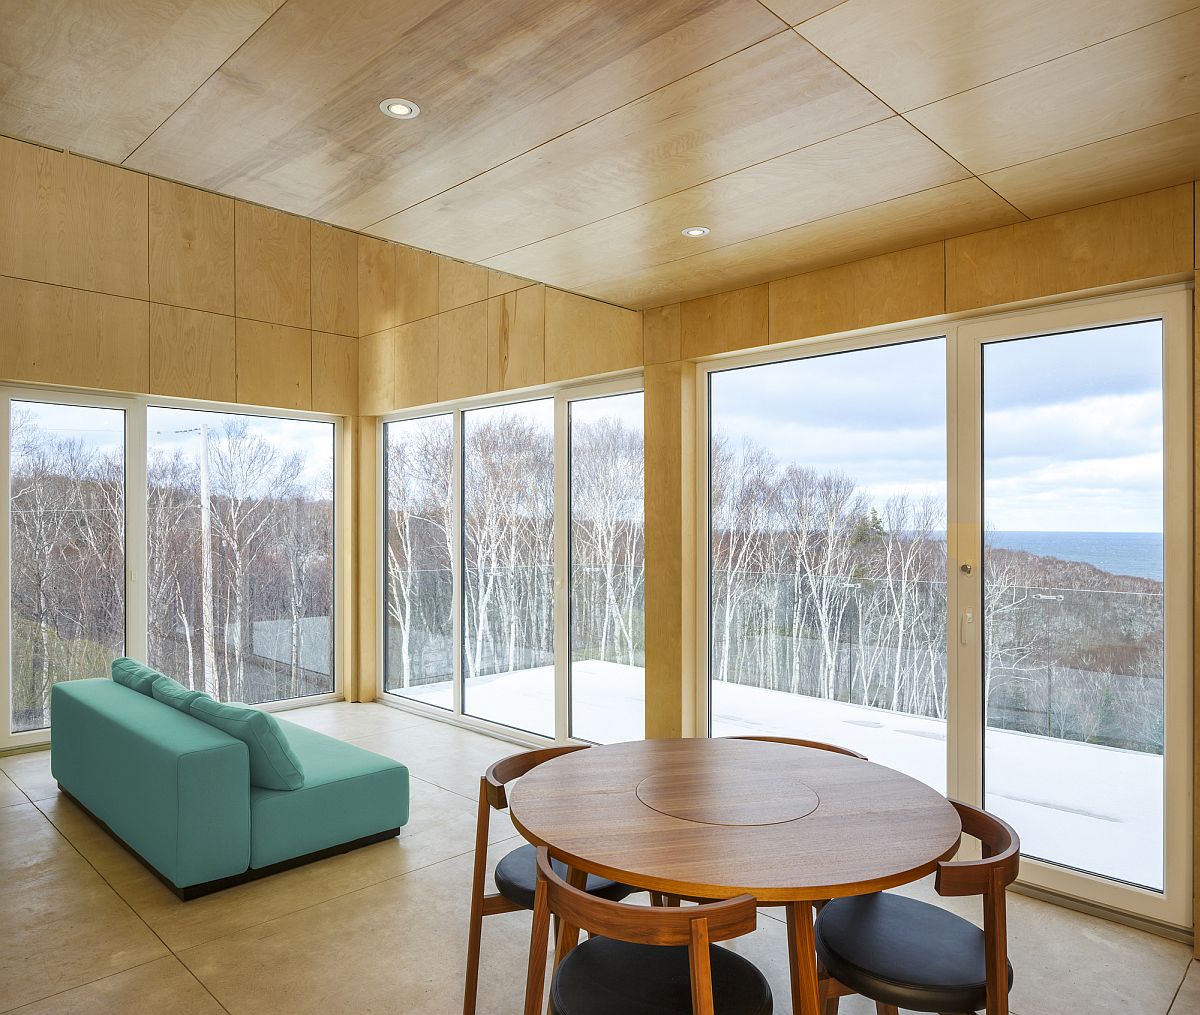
<point x="724" y="323"/>
<point x="274" y="365"/>
<point x="670" y="548"/>
<point x="874" y="829"/>
<point x="416" y="363"/>
<point x="55" y="335"/>
<point x="292" y="120"/>
<point x="585" y="337"/>
<point x="377" y="373"/>
<point x="462" y="352"/>
<point x="99" y="78"/>
<point x="936" y="49"/>
<point x="334" y="274"/>
<point x="192" y="354"/>
<point x="334" y="374"/>
<point x="1136" y="237"/>
<point x="1133" y="81"/>
<point x="516" y="350"/>
<point x="1153" y="158"/>
<point x="377" y="290"/>
<point x="904" y="286"/>
<point x="661" y="334"/>
<point x="770" y="99"/>
<point x="365" y="681"/>
<point x="877" y="163"/>
<point x="191" y="248"/>
<point x="796" y="11"/>
<point x="500" y="282"/>
<point x="417" y="275"/>
<point x="272" y="268"/>
<point x="908" y="221"/>
<point x="460" y="283"/>
<point x="72" y="222"/>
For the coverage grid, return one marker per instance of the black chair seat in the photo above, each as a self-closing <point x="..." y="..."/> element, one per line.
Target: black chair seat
<point x="606" y="977"/>
<point x="516" y="879"/>
<point x="904" y="952"/>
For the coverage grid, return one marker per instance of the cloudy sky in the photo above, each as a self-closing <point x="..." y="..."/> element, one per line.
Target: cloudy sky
<point x="1072" y="424"/>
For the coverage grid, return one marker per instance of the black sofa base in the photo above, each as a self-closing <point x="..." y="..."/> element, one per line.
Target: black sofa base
<point x="186" y="894"/>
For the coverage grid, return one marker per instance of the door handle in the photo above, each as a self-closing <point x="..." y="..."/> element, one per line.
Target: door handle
<point x="966" y="626"/>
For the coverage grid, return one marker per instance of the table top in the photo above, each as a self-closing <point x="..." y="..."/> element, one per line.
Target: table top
<point x="717" y="818"/>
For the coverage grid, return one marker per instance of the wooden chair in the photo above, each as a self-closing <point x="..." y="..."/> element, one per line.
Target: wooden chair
<point x="516" y="873"/>
<point x="815" y="744"/>
<point x="901" y="952"/>
<point x="642" y="959"/>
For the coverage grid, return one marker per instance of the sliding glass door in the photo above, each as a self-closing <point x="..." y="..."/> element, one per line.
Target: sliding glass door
<point x="969" y="558"/>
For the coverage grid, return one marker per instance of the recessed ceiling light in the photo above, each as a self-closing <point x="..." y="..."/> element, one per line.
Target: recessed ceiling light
<point x="401" y="109"/>
<point x="696" y="231"/>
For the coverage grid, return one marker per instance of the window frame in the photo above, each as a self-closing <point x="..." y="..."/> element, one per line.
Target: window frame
<point x="562" y="396"/>
<point x="964" y="334"/>
<point x="136" y="408"/>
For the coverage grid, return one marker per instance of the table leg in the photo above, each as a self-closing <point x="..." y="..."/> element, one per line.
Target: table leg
<point x="802" y="951"/>
<point x="568" y="934"/>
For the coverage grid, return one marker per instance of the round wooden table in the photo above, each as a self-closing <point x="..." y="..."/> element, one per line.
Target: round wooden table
<point x="713" y="819"/>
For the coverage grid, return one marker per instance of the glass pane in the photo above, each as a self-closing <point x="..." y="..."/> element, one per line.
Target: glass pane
<point x="608" y="639"/>
<point x="68" y="550"/>
<point x="1073" y="596"/>
<point x="240" y="554"/>
<point x="419" y="607"/>
<point x="828" y="559"/>
<point x="508" y="565"/>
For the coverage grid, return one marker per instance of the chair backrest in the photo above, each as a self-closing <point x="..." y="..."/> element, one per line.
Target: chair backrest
<point x="815" y="744"/>
<point x="504" y="771"/>
<point x="989" y="878"/>
<point x="694" y="926"/>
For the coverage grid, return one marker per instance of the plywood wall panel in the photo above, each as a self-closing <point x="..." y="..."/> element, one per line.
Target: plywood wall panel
<point x="584" y="337"/>
<point x="377" y="373"/>
<point x="517" y="339"/>
<point x="500" y="282"/>
<point x="462" y="352"/>
<point x="33" y="211"/>
<point x="460" y="283"/>
<point x="274" y="365"/>
<point x="272" y="267"/>
<point x="57" y="335"/>
<point x="376" y="285"/>
<point x="193" y="354"/>
<point x="334" y="373"/>
<point x="661" y="334"/>
<point x="416" y="363"/>
<point x="191" y="248"/>
<point x="417" y="274"/>
<point x="334" y="273"/>
<point x="1136" y="237"/>
<point x="903" y="286"/>
<point x="723" y="323"/>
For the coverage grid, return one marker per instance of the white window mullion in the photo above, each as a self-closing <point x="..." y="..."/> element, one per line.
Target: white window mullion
<point x="562" y="569"/>
<point x="137" y="606"/>
<point x="5" y="574"/>
<point x="457" y="570"/>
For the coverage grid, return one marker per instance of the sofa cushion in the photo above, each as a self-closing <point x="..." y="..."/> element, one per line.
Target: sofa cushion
<point x="173" y="693"/>
<point x="348" y="794"/>
<point x="273" y="763"/>
<point x="134" y="675"/>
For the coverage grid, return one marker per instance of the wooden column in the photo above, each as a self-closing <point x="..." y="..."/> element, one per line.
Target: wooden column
<point x="671" y="566"/>
<point x="363" y="681"/>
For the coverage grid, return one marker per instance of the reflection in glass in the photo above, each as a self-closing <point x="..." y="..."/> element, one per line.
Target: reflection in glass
<point x="67" y="510"/>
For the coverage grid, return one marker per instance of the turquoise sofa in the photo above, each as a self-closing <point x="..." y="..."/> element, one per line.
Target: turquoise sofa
<point x="178" y="791"/>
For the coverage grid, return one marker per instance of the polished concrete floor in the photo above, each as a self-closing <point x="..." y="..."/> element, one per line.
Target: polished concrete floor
<point x="85" y="928"/>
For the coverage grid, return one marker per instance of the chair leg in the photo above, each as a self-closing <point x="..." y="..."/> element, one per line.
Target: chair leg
<point x="475" y="928"/>
<point x="886" y="1009"/>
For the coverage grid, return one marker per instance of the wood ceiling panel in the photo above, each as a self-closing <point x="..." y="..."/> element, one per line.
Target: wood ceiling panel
<point x="1148" y="159"/>
<point x="292" y="119"/>
<point x="913" y="52"/>
<point x="99" y="77"/>
<point x="767" y="100"/>
<point x="867" y="166"/>
<point x="910" y="221"/>
<point x="1145" y="77"/>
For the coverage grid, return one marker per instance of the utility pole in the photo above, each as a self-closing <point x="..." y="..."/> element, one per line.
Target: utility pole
<point x="211" y="684"/>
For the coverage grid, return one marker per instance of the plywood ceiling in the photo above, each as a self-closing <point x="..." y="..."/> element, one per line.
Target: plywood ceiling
<point x="571" y="140"/>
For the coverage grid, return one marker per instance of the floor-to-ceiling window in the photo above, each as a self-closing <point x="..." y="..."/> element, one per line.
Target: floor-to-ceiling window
<point x="199" y="540"/>
<point x="512" y="563"/>
<point x="968" y="557"/>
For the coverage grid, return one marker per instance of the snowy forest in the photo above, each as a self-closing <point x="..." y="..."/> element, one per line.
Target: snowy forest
<point x="247" y="620"/>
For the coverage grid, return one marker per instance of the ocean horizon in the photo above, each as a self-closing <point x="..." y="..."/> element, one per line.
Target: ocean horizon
<point x="1139" y="554"/>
